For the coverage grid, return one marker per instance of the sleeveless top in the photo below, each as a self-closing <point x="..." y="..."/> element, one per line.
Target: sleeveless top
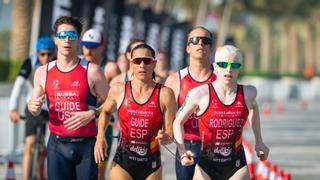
<point x="191" y="128"/>
<point x="221" y="125"/>
<point x="69" y="92"/>
<point x="140" y="123"/>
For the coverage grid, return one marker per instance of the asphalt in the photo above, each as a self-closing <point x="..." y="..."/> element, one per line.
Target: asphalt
<point x="292" y="136"/>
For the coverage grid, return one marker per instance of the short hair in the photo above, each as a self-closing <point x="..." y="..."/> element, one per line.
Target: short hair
<point x="73" y="21"/>
<point x="220" y="52"/>
<point x="144" y="46"/>
<point x="133" y="41"/>
<point x="203" y="28"/>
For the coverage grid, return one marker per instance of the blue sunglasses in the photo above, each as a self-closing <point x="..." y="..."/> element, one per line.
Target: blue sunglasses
<point x="62" y="35"/>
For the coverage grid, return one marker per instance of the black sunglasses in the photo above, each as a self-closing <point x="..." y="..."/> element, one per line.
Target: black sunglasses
<point x="195" y="40"/>
<point x="146" y="60"/>
<point x="49" y="54"/>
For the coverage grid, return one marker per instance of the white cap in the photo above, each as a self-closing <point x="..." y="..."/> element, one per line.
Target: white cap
<point x="92" y="38"/>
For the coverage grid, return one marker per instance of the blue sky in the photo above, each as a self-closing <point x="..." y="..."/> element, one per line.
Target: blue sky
<point x="5" y="15"/>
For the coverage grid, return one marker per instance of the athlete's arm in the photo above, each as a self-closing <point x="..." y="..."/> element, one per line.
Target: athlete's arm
<point x="19" y="84"/>
<point x="38" y="92"/>
<point x="254" y="118"/>
<point x="97" y="82"/>
<point x="189" y="106"/>
<point x="169" y="108"/>
<point x="173" y="82"/>
<point x="109" y="106"/>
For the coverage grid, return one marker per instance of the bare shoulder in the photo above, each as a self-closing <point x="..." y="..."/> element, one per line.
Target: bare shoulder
<point x="41" y="70"/>
<point x="118" y="78"/>
<point x="93" y="68"/>
<point x="166" y="92"/>
<point x="40" y="76"/>
<point x="250" y="91"/>
<point x="172" y="79"/>
<point x="117" y="88"/>
<point x="199" y="92"/>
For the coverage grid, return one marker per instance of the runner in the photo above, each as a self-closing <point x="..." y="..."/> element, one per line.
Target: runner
<point x="222" y="107"/>
<point x="146" y="110"/>
<point x="92" y="44"/>
<point x="200" y="71"/>
<point x="162" y="69"/>
<point x="71" y="85"/>
<point x="45" y="52"/>
<point x="123" y="62"/>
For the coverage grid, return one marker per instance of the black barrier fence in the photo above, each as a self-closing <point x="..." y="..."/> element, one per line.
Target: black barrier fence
<point x="119" y="23"/>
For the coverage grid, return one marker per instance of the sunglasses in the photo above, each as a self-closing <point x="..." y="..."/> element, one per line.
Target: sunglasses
<point x="195" y="40"/>
<point x="146" y="60"/>
<point x="224" y="65"/>
<point x="42" y="54"/>
<point x="64" y="34"/>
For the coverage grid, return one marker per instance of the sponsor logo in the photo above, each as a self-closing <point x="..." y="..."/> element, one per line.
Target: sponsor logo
<point x="127" y="103"/>
<point x="152" y="104"/>
<point x="142" y="151"/>
<point x="237" y="163"/>
<point x="67" y="95"/>
<point x="75" y="84"/>
<point x="138" y="142"/>
<point x="239" y="104"/>
<point x="154" y="164"/>
<point x="214" y="104"/>
<point x="224" y="151"/>
<point x="55" y="84"/>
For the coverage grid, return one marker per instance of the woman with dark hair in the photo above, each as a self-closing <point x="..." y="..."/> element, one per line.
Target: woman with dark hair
<point x="146" y="112"/>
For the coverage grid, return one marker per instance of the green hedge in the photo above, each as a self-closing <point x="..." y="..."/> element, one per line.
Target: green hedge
<point x="9" y="69"/>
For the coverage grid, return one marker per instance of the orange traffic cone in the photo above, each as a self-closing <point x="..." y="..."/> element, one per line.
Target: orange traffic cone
<point x="273" y="172"/>
<point x="279" y="107"/>
<point x="263" y="170"/>
<point x="10" y="171"/>
<point x="266" y="109"/>
<point x="250" y="157"/>
<point x="287" y="176"/>
<point x="280" y="174"/>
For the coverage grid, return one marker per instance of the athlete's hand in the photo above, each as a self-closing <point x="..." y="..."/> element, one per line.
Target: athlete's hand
<point x="262" y="151"/>
<point x="163" y="138"/>
<point x="187" y="158"/>
<point x="35" y="104"/>
<point x="78" y="119"/>
<point x="14" y="116"/>
<point x="100" y="150"/>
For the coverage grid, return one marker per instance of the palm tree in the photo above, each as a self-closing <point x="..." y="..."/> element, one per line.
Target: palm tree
<point x="21" y="28"/>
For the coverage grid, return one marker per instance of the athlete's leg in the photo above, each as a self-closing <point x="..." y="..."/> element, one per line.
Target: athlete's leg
<point x="43" y="118"/>
<point x="87" y="168"/>
<point x="242" y="173"/>
<point x="157" y="175"/>
<point x="102" y="167"/>
<point x="60" y="156"/>
<point x="118" y="173"/>
<point x="199" y="174"/>
<point x="186" y="172"/>
<point x="27" y="156"/>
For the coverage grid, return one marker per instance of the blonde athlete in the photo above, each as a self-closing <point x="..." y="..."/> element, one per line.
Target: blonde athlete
<point x="222" y="107"/>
